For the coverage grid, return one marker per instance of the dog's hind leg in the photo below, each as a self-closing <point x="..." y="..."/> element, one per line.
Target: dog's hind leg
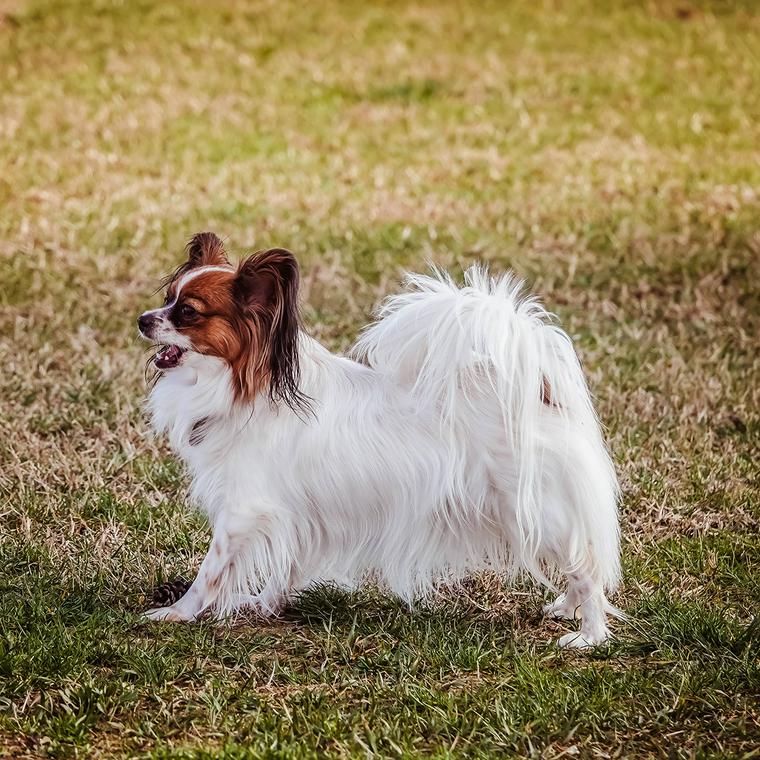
<point x="580" y="536"/>
<point x="582" y="600"/>
<point x="585" y="600"/>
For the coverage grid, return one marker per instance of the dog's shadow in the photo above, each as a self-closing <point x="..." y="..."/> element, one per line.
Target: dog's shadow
<point x="479" y="608"/>
<point x="484" y="612"/>
<point x="483" y="596"/>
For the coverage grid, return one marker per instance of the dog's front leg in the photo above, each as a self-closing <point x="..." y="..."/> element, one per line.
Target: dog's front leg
<point x="205" y="588"/>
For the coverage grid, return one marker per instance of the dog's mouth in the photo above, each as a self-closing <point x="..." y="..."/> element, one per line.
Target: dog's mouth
<point x="169" y="357"/>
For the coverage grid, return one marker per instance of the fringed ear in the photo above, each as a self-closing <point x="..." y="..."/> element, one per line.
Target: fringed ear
<point x="266" y="291"/>
<point x="206" y="249"/>
<point x="203" y="249"/>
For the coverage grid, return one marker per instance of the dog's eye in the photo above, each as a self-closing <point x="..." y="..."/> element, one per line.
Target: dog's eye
<point x="187" y="311"/>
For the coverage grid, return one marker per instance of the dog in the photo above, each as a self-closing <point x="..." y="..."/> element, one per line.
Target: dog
<point x="458" y="435"/>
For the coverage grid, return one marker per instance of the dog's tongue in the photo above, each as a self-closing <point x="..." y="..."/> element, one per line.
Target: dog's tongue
<point x="168" y="357"/>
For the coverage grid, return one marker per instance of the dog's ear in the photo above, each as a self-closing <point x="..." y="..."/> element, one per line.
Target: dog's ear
<point x="266" y="291"/>
<point x="206" y="249"/>
<point x="268" y="280"/>
<point x="203" y="249"/>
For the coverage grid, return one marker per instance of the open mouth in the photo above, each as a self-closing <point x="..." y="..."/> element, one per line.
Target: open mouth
<point x="169" y="357"/>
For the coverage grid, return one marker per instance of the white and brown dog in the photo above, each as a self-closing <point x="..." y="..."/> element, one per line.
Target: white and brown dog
<point x="459" y="435"/>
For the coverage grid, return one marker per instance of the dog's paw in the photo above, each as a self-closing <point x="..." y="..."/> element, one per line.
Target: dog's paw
<point x="562" y="609"/>
<point x="165" y="614"/>
<point x="582" y="640"/>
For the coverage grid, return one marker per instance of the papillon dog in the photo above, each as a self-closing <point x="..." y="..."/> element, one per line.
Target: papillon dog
<point x="458" y="435"/>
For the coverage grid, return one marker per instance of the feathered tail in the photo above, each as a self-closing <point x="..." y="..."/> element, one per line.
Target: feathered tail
<point x="487" y="346"/>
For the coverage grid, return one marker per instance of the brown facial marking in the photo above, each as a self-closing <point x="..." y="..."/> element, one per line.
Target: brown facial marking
<point x="203" y="249"/>
<point x="248" y="317"/>
<point x="204" y="312"/>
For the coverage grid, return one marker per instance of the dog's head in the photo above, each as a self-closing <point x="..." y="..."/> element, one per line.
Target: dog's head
<point x="246" y="315"/>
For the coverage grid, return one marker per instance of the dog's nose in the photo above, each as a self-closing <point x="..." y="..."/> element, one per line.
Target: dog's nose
<point x="145" y="322"/>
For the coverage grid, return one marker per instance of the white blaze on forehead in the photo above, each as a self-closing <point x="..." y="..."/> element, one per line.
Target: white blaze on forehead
<point x="187" y="277"/>
<point x="193" y="273"/>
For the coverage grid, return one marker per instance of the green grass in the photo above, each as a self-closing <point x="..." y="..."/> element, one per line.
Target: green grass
<point x="608" y="151"/>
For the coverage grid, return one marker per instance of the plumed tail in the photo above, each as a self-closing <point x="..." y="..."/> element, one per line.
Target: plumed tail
<point x="488" y="349"/>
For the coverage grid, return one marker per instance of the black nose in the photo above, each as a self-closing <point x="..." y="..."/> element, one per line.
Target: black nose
<point x="144" y="323"/>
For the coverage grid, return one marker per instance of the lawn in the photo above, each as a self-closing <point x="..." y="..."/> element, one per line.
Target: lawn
<point x="607" y="151"/>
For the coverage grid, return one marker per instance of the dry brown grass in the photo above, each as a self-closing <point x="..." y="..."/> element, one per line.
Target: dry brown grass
<point x="610" y="156"/>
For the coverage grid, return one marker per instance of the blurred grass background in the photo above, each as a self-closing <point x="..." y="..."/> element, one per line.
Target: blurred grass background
<point x="608" y="151"/>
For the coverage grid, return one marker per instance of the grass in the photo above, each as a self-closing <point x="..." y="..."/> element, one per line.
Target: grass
<point x="608" y="151"/>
